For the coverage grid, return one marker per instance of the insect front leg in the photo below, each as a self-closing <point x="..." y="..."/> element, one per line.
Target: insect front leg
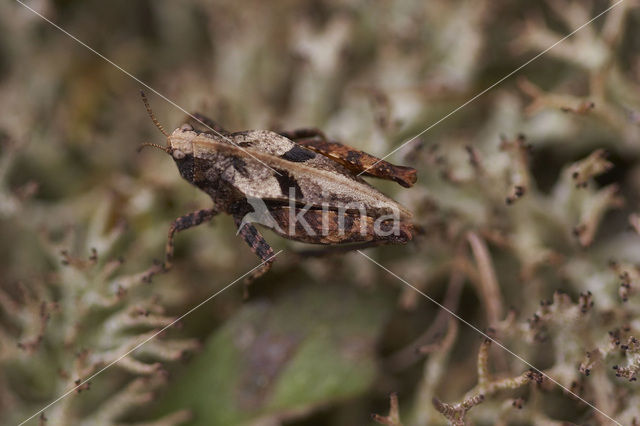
<point x="180" y="224"/>
<point x="259" y="246"/>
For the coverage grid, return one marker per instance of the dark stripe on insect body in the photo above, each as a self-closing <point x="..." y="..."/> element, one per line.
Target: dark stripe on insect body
<point x="286" y="181"/>
<point x="240" y="165"/>
<point x="298" y="154"/>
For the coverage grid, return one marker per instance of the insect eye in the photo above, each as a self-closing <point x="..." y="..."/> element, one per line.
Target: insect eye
<point x="177" y="154"/>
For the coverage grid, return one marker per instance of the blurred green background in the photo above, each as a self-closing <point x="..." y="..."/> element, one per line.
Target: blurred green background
<point x="323" y="341"/>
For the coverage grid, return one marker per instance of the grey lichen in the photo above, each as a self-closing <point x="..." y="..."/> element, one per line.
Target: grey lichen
<point x="527" y="195"/>
<point x="85" y="316"/>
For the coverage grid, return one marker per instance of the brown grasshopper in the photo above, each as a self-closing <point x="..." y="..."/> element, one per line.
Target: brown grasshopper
<point x="272" y="178"/>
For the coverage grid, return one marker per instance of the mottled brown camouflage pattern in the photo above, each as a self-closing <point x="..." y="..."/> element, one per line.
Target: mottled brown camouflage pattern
<point x="353" y="159"/>
<point x="339" y="206"/>
<point x="326" y="228"/>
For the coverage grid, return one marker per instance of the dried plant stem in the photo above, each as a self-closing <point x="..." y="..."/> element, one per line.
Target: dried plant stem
<point x="393" y="419"/>
<point x="489" y="288"/>
<point x="410" y="354"/>
<point x="487" y="386"/>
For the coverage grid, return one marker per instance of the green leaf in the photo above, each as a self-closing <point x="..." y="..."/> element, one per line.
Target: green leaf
<point x="311" y="347"/>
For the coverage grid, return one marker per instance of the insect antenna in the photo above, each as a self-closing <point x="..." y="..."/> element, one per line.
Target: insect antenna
<point x="153" y="117"/>
<point x="154" y="145"/>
